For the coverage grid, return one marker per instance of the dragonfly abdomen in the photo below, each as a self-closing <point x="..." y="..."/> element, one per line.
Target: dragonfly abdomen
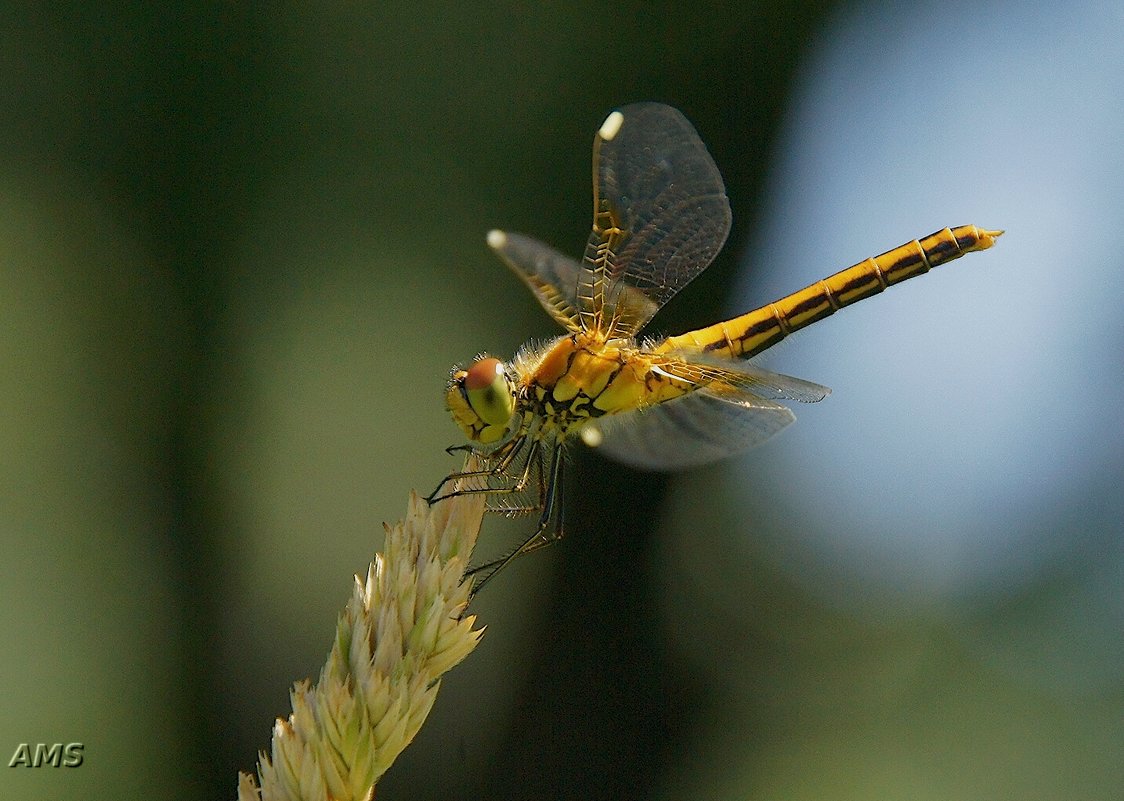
<point x="755" y="331"/>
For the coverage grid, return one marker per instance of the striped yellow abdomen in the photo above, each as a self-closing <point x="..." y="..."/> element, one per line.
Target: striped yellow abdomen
<point x="753" y="332"/>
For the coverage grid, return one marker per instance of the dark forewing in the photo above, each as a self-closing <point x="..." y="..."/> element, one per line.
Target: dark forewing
<point x="660" y="216"/>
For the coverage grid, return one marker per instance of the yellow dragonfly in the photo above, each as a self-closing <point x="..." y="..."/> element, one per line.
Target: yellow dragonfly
<point x="660" y="215"/>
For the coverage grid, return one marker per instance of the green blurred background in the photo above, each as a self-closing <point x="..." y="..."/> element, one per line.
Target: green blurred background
<point x="240" y="246"/>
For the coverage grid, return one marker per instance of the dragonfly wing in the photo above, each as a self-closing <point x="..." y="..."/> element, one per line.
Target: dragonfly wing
<point x="693" y="430"/>
<point x="552" y="277"/>
<point x="660" y="215"/>
<point x="700" y="369"/>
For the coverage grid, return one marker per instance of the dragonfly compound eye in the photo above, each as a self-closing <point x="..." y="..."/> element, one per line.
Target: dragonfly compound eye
<point x="488" y="391"/>
<point x="481" y="400"/>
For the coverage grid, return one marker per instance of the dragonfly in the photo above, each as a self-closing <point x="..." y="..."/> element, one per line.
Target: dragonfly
<point x="660" y="215"/>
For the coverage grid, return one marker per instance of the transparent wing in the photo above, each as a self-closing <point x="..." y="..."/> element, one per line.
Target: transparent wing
<point x="762" y="383"/>
<point x="660" y="215"/>
<point x="552" y="276"/>
<point x="693" y="430"/>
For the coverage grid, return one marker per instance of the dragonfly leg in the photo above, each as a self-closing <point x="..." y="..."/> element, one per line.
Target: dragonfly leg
<point x="550" y="490"/>
<point x="498" y="469"/>
<point x="548" y="533"/>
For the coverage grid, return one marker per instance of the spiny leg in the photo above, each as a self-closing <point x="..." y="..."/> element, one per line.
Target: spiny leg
<point x="550" y="534"/>
<point x="499" y="468"/>
<point x="518" y="485"/>
<point x="550" y="497"/>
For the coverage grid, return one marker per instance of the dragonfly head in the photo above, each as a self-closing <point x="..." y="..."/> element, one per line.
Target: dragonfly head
<point x="482" y="399"/>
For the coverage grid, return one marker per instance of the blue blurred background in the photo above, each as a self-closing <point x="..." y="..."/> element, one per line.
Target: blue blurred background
<point x="241" y="246"/>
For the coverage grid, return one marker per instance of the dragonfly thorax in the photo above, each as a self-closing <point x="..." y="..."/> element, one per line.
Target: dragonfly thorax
<point x="577" y="379"/>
